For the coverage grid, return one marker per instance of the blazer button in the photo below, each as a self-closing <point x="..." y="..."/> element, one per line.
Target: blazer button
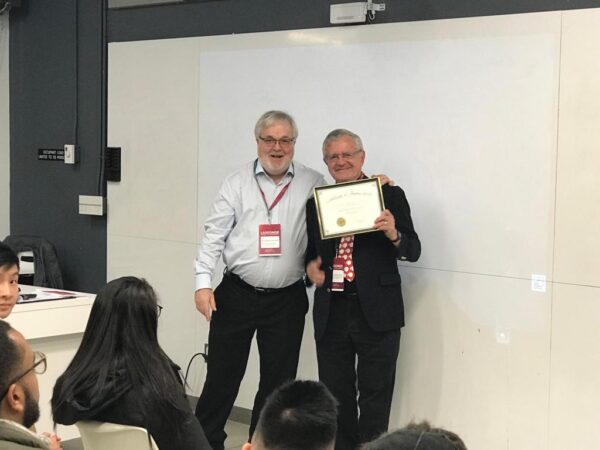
<point x="328" y="290"/>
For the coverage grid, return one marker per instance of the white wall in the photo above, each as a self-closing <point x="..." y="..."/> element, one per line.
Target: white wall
<point x="490" y="126"/>
<point x="4" y="130"/>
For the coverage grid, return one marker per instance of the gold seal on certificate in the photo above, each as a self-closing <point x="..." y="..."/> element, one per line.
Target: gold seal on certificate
<point x="348" y="208"/>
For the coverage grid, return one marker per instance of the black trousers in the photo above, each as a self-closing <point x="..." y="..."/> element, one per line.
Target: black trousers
<point x="358" y="365"/>
<point x="278" y="320"/>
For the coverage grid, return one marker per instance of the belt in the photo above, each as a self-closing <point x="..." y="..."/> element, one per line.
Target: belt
<point x="237" y="280"/>
<point x="345" y="295"/>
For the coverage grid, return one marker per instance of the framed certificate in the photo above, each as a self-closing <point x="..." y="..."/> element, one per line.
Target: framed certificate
<point x="348" y="208"/>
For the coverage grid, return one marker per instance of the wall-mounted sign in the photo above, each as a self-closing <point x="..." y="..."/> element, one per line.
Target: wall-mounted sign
<point x="51" y="154"/>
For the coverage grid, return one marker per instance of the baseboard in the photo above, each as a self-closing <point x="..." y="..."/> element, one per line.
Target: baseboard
<point x="238" y="414"/>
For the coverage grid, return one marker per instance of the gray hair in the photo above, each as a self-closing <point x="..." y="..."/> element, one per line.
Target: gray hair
<point x="271" y="117"/>
<point x="338" y="133"/>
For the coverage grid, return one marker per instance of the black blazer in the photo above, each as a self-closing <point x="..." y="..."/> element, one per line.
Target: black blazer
<point x="374" y="257"/>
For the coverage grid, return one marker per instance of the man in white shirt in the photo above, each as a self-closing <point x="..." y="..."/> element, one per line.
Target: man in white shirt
<point x="257" y="223"/>
<point x="299" y="415"/>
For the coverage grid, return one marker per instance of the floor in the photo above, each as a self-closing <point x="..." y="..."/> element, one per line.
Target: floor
<point x="237" y="434"/>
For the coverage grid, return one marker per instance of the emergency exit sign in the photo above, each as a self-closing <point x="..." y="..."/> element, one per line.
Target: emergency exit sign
<point x="51" y="154"/>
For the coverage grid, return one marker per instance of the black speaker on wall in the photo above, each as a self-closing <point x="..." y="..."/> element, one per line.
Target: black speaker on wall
<point x="112" y="164"/>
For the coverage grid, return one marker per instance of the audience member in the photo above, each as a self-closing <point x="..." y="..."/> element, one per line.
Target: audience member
<point x="19" y="409"/>
<point x="9" y="280"/>
<point x="419" y="436"/>
<point x="299" y="415"/>
<point x="121" y="375"/>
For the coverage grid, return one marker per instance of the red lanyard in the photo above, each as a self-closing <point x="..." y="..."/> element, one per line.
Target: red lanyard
<point x="277" y="199"/>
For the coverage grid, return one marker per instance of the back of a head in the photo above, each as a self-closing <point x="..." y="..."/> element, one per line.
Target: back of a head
<point x="10" y="361"/>
<point x="19" y="392"/>
<point x="121" y="333"/>
<point x="123" y="320"/>
<point x="419" y="436"/>
<point x="299" y="415"/>
<point x="119" y="351"/>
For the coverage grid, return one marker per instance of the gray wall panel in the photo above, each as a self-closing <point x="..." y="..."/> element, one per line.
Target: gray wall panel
<point x="44" y="195"/>
<point x="4" y="129"/>
<point x="245" y="16"/>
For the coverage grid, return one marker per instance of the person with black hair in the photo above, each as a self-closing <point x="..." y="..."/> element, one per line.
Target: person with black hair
<point x="9" y="280"/>
<point x="299" y="415"/>
<point x="419" y="436"/>
<point x="120" y="374"/>
<point x="20" y="394"/>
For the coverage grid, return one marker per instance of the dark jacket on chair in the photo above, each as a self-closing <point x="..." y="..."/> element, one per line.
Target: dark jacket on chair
<point x="47" y="271"/>
<point x="125" y="403"/>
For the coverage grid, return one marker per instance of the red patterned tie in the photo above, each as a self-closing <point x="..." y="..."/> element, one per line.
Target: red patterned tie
<point x="345" y="251"/>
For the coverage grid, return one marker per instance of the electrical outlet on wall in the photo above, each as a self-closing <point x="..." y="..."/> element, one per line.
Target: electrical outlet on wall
<point x="92" y="205"/>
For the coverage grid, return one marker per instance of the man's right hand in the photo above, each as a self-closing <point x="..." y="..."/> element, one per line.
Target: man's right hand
<point x="205" y="302"/>
<point x="314" y="272"/>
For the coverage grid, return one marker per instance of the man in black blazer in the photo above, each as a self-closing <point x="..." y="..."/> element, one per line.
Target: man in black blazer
<point x="357" y="322"/>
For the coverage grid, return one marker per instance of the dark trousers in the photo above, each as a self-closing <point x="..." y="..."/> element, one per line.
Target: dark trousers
<point x="278" y="320"/>
<point x="358" y="365"/>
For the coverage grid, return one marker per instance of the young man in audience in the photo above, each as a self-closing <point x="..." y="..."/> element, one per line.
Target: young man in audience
<point x="299" y="415"/>
<point x="19" y="391"/>
<point x="420" y="436"/>
<point x="9" y="280"/>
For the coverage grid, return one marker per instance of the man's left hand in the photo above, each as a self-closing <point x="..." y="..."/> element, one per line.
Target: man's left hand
<point x="384" y="179"/>
<point x="386" y="223"/>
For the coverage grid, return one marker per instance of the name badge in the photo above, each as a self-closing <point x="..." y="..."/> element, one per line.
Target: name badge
<point x="337" y="277"/>
<point x="269" y="239"/>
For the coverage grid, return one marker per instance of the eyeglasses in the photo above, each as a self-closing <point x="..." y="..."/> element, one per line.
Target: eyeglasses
<point x="39" y="367"/>
<point x="283" y="142"/>
<point x="159" y="309"/>
<point x="346" y="156"/>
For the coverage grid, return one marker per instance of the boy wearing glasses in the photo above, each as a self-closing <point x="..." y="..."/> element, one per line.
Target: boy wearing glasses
<point x="9" y="280"/>
<point x="19" y="391"/>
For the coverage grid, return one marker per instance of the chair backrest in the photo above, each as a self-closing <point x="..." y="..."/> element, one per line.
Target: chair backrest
<point x="45" y="262"/>
<point x="111" y="436"/>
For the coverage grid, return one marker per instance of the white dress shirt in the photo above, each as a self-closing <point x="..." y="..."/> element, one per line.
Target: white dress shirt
<point x="232" y="226"/>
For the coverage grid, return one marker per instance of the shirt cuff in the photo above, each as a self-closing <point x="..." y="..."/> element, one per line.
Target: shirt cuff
<point x="203" y="281"/>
